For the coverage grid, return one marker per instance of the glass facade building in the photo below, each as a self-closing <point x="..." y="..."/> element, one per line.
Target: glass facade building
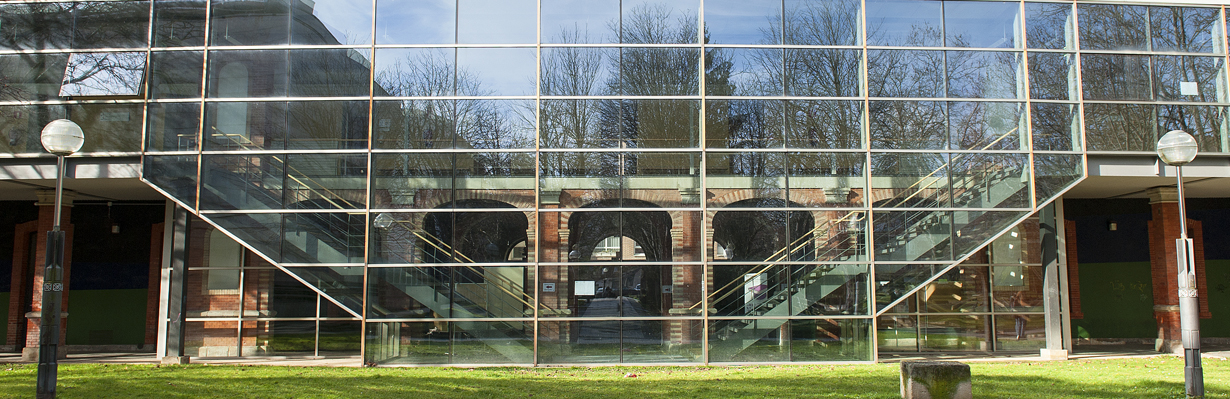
<point x="612" y="181"/>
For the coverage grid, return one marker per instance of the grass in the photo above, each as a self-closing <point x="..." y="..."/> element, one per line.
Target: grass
<point x="1160" y="377"/>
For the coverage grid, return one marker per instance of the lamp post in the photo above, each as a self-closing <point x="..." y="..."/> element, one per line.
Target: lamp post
<point x="1177" y="148"/>
<point x="61" y="137"/>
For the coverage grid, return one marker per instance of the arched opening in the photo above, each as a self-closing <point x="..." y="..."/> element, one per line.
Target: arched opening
<point x="756" y="240"/>
<point x="474" y="237"/>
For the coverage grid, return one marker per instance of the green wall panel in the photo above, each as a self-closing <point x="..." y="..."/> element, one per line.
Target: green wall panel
<point x="1117" y="300"/>
<point x="106" y="317"/>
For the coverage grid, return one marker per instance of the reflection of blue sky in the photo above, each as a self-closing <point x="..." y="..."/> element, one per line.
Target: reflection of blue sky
<point x="500" y="71"/>
<point x="415" y="22"/>
<point x="496" y="21"/>
<point x="755" y="71"/>
<point x="982" y="24"/>
<point x="349" y="22"/>
<point x="741" y="21"/>
<point x="591" y="18"/>
<point x="889" y="22"/>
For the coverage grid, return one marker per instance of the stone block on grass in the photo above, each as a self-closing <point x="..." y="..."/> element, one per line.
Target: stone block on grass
<point x="935" y="380"/>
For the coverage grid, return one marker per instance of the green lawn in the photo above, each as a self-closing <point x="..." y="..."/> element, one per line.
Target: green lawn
<point x="1132" y="378"/>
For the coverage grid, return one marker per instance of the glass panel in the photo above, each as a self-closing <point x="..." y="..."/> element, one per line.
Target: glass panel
<point x="325" y="181"/>
<point x="620" y="291"/>
<point x="955" y="333"/>
<point x="1056" y="127"/>
<point x="496" y="71"/>
<point x="1049" y="25"/>
<point x="763" y="236"/>
<point x="416" y="22"/>
<point x="176" y="74"/>
<point x="179" y="23"/>
<point x="36" y="26"/>
<point x="822" y="179"/>
<point x="984" y="74"/>
<point x="755" y="340"/>
<point x="32" y="77"/>
<point x="579" y="342"/>
<point x="1019" y="246"/>
<point x="733" y="175"/>
<point x="579" y="21"/>
<point x="331" y="22"/>
<point x="743" y="124"/>
<point x="1020" y="332"/>
<point x="982" y="24"/>
<point x="1183" y="78"/>
<point x="247" y="73"/>
<point x="496" y="21"/>
<point x="111" y="127"/>
<point x="397" y="238"/>
<point x="1113" y="27"/>
<point x="233" y="126"/>
<point x="1017" y="288"/>
<point x="242" y="182"/>
<point x="893" y="281"/>
<point x="110" y="24"/>
<point x="974" y="228"/>
<point x="981" y="180"/>
<point x="459" y="342"/>
<point x="261" y="232"/>
<point x="450" y="291"/>
<point x="659" y="72"/>
<point x="913" y="236"/>
<point x="632" y="124"/>
<point x="211" y="338"/>
<point x="594" y="236"/>
<point x="104" y="74"/>
<point x="824" y="72"/>
<point x="1120" y="127"/>
<point x="905" y="73"/>
<point x="824" y="124"/>
<point x="1186" y="29"/>
<point x="662" y="341"/>
<point x="897" y="334"/>
<point x="960" y="290"/>
<point x="574" y="124"/>
<point x="285" y="297"/>
<point x="743" y="21"/>
<point x="829" y="340"/>
<point x="1054" y="173"/>
<point x="904" y="23"/>
<point x="1052" y="76"/>
<point x="744" y="72"/>
<point x="343" y="285"/>
<point x="582" y="178"/>
<point x="659" y="21"/>
<point x="1206" y="123"/>
<point x="18" y="122"/>
<point x="279" y="338"/>
<point x="571" y="71"/>
<point x="910" y="180"/>
<point x="987" y="125"/>
<point x="329" y="73"/>
<point x="175" y="175"/>
<point x="829" y="289"/>
<point x="339" y="338"/>
<point x="324" y="125"/>
<point x="908" y="125"/>
<point x="419" y="124"/>
<point x="495" y="124"/>
<point x="248" y="24"/>
<point x="828" y="23"/>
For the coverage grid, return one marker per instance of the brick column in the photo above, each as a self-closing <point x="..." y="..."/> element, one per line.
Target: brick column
<point x="155" y="284"/>
<point x="46" y="216"/>
<point x="19" y="291"/>
<point x="1163" y="231"/>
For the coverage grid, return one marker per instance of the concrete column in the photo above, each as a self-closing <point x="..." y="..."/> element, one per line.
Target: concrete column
<point x="46" y="215"/>
<point x="172" y="288"/>
<point x="1050" y="218"/>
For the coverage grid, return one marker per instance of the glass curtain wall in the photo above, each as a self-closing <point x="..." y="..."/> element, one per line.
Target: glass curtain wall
<point x="611" y="181"/>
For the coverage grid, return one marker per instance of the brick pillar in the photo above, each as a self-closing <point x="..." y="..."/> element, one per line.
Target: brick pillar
<point x="155" y="284"/>
<point x="46" y="216"/>
<point x="19" y="290"/>
<point x="1163" y="231"/>
<point x="1074" y="276"/>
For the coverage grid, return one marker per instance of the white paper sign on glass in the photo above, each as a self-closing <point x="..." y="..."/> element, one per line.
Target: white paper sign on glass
<point x="583" y="288"/>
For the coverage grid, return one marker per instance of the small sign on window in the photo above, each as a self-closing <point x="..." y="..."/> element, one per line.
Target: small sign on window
<point x="1189" y="89"/>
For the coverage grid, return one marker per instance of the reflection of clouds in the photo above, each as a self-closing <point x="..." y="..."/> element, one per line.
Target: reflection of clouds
<point x="348" y="22"/>
<point x="740" y="21"/>
<point x="497" y="21"/>
<point x="400" y="22"/>
<point x="500" y="71"/>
